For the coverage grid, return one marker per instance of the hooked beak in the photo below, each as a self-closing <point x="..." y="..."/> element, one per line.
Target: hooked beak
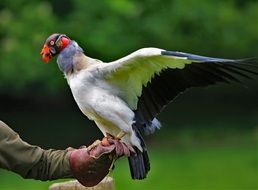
<point x="46" y="54"/>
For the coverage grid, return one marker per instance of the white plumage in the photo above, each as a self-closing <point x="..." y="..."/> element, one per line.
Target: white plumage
<point x="100" y="102"/>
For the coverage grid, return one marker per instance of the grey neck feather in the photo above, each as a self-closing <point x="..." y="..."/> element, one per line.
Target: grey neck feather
<point x="65" y="58"/>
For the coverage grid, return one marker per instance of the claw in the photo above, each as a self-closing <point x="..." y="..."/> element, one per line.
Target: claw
<point x="93" y="145"/>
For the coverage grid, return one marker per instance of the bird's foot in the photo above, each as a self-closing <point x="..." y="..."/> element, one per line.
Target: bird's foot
<point x="107" y="145"/>
<point x="120" y="147"/>
<point x="118" y="137"/>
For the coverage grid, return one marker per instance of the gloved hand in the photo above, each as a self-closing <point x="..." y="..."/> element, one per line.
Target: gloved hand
<point x="90" y="165"/>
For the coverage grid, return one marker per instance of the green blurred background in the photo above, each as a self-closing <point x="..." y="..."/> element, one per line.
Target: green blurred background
<point x="209" y="136"/>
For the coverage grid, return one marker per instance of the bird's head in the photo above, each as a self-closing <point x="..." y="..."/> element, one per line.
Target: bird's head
<point x="54" y="44"/>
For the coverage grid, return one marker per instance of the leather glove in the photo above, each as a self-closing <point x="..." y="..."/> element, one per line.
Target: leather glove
<point x="90" y="165"/>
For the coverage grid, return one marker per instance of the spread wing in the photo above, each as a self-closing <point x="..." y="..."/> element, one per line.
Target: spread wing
<point x="150" y="78"/>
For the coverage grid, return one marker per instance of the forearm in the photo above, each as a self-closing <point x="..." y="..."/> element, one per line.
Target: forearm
<point x="53" y="164"/>
<point x="88" y="166"/>
<point x="31" y="161"/>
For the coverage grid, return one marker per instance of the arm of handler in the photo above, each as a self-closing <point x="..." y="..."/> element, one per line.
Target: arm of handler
<point x="88" y="166"/>
<point x="31" y="161"/>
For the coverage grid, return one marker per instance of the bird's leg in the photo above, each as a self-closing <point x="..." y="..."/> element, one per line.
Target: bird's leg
<point x="108" y="135"/>
<point x="120" y="135"/>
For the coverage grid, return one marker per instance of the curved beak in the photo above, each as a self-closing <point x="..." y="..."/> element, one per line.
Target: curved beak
<point x="46" y="54"/>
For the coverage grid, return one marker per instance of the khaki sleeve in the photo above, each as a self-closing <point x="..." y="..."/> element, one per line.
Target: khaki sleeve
<point x="31" y="161"/>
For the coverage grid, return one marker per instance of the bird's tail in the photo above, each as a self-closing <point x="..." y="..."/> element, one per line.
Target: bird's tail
<point x="139" y="162"/>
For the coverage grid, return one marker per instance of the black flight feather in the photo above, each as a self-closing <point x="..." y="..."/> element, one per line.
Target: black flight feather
<point x="203" y="71"/>
<point x="168" y="84"/>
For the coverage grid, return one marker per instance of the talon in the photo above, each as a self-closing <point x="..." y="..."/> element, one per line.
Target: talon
<point x="93" y="145"/>
<point x="105" y="141"/>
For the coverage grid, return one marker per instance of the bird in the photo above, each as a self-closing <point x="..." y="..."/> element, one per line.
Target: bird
<point x="124" y="97"/>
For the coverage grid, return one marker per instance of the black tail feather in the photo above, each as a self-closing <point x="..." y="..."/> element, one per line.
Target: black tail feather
<point x="139" y="162"/>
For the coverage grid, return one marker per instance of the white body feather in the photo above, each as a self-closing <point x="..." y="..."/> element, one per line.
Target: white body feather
<point x="98" y="100"/>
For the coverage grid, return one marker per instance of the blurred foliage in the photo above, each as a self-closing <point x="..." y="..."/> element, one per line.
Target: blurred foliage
<point x="110" y="29"/>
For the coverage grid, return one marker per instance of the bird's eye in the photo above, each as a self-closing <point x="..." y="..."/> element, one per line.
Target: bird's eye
<point x="51" y="42"/>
